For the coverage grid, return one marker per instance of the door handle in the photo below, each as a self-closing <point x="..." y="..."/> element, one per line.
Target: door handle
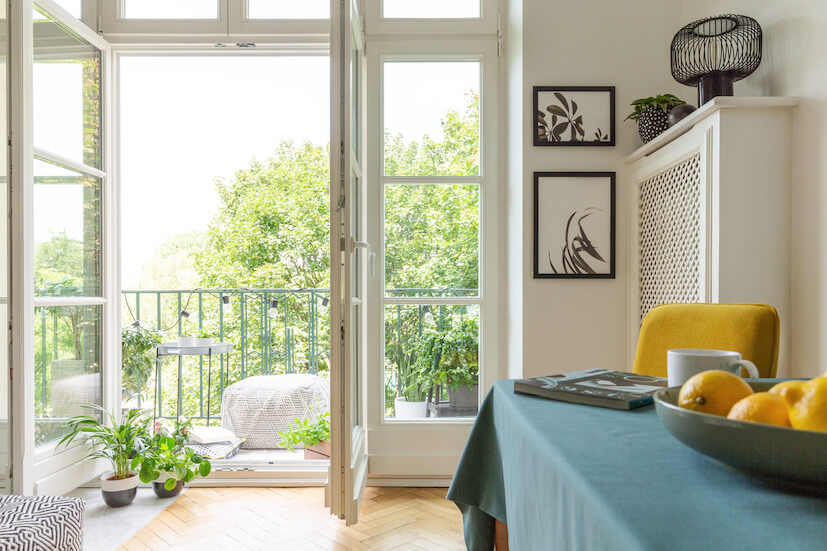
<point x="358" y="244"/>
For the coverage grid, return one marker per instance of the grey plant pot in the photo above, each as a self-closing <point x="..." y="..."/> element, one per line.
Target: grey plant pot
<point x="160" y="491"/>
<point x="464" y="397"/>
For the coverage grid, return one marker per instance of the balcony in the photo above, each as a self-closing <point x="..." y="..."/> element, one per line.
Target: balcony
<point x="273" y="331"/>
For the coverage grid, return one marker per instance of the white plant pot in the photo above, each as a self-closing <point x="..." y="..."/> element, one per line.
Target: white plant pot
<point x="186" y="341"/>
<point x="206" y="341"/>
<point x="117" y="493"/>
<point x="410" y="410"/>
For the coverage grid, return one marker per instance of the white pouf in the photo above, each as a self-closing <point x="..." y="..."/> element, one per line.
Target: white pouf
<point x="260" y="407"/>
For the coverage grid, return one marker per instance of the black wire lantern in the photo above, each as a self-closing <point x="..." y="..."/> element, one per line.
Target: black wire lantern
<point x="714" y="52"/>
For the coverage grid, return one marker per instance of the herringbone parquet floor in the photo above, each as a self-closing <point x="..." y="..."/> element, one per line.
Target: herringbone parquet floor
<point x="230" y="519"/>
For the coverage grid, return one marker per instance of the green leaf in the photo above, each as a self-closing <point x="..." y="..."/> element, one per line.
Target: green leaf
<point x="170" y="484"/>
<point x="204" y="468"/>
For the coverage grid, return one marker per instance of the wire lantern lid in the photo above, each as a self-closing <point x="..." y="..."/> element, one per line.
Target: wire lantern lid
<point x="725" y="44"/>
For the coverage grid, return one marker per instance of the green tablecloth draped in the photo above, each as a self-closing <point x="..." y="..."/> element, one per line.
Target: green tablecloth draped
<point x="567" y="476"/>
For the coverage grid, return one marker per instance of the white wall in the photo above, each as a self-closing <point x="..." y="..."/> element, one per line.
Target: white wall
<point x="580" y="324"/>
<point x="795" y="64"/>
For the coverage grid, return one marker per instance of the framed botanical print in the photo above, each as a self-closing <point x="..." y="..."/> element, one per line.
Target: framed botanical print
<point x="574" y="225"/>
<point x="574" y="115"/>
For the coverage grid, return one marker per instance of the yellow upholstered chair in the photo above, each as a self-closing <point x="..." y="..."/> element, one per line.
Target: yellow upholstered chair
<point x="751" y="329"/>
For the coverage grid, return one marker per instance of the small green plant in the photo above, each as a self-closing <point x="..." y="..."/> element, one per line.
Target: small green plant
<point x="137" y="343"/>
<point x="114" y="441"/>
<point x="308" y="432"/>
<point x="663" y="102"/>
<point x="202" y="333"/>
<point x="167" y="454"/>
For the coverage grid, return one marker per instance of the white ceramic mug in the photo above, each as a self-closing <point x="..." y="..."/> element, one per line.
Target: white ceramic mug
<point x="683" y="363"/>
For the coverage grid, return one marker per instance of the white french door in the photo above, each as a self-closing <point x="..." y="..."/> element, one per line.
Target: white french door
<point x="64" y="317"/>
<point x="350" y="256"/>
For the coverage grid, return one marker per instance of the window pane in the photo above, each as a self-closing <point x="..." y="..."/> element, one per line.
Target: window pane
<point x="72" y="6"/>
<point x="67" y="245"/>
<point x="288" y="9"/>
<point x="431" y="9"/>
<point x="431" y="116"/>
<point x="170" y="9"/>
<point x="67" y="366"/>
<point x="432" y="240"/>
<point x="66" y="93"/>
<point x="431" y="354"/>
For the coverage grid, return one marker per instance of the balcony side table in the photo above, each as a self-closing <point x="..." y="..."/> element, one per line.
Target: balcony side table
<point x="174" y="349"/>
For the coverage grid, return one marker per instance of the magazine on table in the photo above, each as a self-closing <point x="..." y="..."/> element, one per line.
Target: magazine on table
<point x="595" y="387"/>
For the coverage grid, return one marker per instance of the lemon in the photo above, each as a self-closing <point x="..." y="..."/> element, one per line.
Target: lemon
<point x="713" y="392"/>
<point x="761" y="407"/>
<point x="806" y="402"/>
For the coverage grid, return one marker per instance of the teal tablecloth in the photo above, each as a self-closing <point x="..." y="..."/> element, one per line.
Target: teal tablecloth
<point x="568" y="476"/>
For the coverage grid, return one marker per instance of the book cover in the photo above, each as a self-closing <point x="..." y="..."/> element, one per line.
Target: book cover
<point x="596" y="387"/>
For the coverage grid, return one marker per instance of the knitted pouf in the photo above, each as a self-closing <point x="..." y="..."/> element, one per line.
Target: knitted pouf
<point x="260" y="407"/>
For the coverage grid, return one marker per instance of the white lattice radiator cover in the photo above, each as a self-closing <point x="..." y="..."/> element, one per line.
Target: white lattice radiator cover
<point x="670" y="237"/>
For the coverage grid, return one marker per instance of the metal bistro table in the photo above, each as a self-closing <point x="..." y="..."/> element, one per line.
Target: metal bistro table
<point x="174" y="349"/>
<point x="573" y="477"/>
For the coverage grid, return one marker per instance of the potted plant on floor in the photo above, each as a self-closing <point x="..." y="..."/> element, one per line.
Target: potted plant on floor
<point x="652" y="114"/>
<point x="168" y="463"/>
<point x="116" y="442"/>
<point x="312" y="433"/>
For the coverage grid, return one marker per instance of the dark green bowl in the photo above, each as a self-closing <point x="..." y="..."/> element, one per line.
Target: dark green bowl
<point x="776" y="453"/>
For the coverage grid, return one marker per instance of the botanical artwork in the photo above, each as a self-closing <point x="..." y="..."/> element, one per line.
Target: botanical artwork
<point x="574" y="115"/>
<point x="574" y="221"/>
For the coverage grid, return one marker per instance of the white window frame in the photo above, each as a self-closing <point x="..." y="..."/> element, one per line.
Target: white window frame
<point x="112" y="23"/>
<point x="377" y="24"/>
<point x="395" y="447"/>
<point x="53" y="469"/>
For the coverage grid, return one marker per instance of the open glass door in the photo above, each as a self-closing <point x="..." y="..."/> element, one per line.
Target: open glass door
<point x="348" y="465"/>
<point x="62" y="286"/>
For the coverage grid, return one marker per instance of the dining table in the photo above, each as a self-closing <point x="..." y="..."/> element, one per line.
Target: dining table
<point x="565" y="476"/>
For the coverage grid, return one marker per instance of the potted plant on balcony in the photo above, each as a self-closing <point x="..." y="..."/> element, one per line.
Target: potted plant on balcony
<point x="203" y="337"/>
<point x="451" y="358"/>
<point x="137" y="342"/>
<point x="312" y="433"/>
<point x="168" y="463"/>
<point x="411" y="401"/>
<point x="115" y="442"/>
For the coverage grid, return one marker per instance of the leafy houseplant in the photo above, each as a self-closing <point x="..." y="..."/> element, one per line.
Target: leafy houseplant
<point x="168" y="463"/>
<point x="413" y="384"/>
<point x="451" y="358"/>
<point x="136" y="343"/>
<point x="313" y="434"/>
<point x="117" y="443"/>
<point x="203" y="337"/>
<point x="652" y="114"/>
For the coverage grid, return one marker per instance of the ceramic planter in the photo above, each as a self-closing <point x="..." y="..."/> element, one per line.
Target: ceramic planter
<point x="464" y="397"/>
<point x="186" y="341"/>
<point x="120" y="492"/>
<point x="410" y="410"/>
<point x="652" y="122"/>
<point x="205" y="341"/>
<point x="160" y="491"/>
<point x="319" y="451"/>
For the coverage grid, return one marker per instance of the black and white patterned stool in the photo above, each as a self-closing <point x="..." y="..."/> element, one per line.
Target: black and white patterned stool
<point x="43" y="523"/>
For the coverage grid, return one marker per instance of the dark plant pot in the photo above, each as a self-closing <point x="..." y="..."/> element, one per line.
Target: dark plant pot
<point x="160" y="491"/>
<point x="464" y="397"/>
<point x="118" y="493"/>
<point x="679" y="112"/>
<point x="652" y="122"/>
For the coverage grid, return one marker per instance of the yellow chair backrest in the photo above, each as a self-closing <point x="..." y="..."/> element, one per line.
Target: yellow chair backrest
<point x="751" y="329"/>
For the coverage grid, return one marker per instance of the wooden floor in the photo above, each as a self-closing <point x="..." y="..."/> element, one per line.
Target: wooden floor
<point x="229" y="519"/>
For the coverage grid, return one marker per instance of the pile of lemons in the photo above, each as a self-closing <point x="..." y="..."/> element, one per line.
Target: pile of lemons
<point x="796" y="404"/>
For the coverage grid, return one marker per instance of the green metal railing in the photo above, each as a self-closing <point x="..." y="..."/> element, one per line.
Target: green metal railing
<point x="273" y="331"/>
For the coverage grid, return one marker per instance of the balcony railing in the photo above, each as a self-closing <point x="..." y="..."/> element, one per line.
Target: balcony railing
<point x="273" y="331"/>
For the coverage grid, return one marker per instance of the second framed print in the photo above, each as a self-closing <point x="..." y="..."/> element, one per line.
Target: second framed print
<point x="574" y="225"/>
<point x="574" y="115"/>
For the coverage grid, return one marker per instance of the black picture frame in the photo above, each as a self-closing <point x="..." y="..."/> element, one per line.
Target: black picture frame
<point x="560" y="225"/>
<point x="587" y="132"/>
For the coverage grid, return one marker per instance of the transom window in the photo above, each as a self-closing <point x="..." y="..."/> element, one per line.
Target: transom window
<point x="431" y="9"/>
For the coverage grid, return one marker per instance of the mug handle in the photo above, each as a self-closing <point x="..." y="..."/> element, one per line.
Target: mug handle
<point x="752" y="371"/>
